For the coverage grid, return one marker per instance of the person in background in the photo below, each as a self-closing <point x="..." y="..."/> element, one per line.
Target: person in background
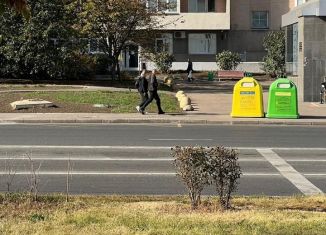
<point x="142" y="87"/>
<point x="189" y="70"/>
<point x="153" y="85"/>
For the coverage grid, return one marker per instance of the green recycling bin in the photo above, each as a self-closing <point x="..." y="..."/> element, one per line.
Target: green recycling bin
<point x="210" y="76"/>
<point x="283" y="100"/>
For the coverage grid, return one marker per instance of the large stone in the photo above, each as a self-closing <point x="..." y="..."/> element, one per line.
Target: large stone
<point x="169" y="82"/>
<point x="165" y="79"/>
<point x="184" y="102"/>
<point x="100" y="106"/>
<point x="31" y="103"/>
<point x="181" y="96"/>
<point x="188" y="108"/>
<point x="179" y="93"/>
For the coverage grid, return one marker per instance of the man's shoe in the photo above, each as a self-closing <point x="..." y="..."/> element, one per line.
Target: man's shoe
<point x="138" y="108"/>
<point x="142" y="111"/>
<point x="161" y="112"/>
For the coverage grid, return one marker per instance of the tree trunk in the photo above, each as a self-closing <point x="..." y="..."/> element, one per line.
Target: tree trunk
<point x="113" y="71"/>
<point x="118" y="71"/>
<point x="117" y="65"/>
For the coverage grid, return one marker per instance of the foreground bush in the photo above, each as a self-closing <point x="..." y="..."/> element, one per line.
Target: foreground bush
<point x="199" y="167"/>
<point x="224" y="171"/>
<point x="190" y="163"/>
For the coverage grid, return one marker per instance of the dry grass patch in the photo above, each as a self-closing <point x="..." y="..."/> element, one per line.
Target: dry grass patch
<point x="162" y="215"/>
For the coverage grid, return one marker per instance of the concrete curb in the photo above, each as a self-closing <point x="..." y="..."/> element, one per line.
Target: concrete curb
<point x="165" y="121"/>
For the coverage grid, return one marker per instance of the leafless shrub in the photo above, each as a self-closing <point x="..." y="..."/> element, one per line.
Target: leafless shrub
<point x="10" y="173"/>
<point x="224" y="171"/>
<point x="68" y="178"/>
<point x="199" y="167"/>
<point x="33" y="179"/>
<point x="190" y="163"/>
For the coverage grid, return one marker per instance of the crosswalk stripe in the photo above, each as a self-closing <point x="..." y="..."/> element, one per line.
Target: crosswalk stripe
<point x="40" y="173"/>
<point x="128" y="147"/>
<point x="131" y="147"/>
<point x="297" y="179"/>
<point x="159" y="159"/>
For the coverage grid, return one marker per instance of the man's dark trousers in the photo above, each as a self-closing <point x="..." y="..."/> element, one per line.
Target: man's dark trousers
<point x="144" y="98"/>
<point x="152" y="95"/>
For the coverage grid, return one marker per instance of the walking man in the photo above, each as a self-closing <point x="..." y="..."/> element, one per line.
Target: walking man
<point x="153" y="85"/>
<point x="189" y="71"/>
<point x="142" y="87"/>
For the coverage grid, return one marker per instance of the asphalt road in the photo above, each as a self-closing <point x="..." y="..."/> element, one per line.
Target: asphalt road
<point x="135" y="159"/>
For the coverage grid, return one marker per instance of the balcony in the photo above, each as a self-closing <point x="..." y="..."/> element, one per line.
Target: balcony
<point x="185" y="19"/>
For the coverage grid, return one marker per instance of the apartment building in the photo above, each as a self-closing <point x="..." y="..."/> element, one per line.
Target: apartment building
<point x="305" y="26"/>
<point x="199" y="29"/>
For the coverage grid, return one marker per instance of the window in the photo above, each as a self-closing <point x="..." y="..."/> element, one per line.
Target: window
<point x="164" y="43"/>
<point x="172" y="5"/>
<point x="202" y="43"/>
<point x="259" y="20"/>
<point x="201" y="5"/>
<point x="169" y="6"/>
<point x="92" y="46"/>
<point x="292" y="49"/>
<point x="299" y="2"/>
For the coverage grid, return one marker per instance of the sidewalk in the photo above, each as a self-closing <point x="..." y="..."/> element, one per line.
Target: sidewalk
<point x="212" y="102"/>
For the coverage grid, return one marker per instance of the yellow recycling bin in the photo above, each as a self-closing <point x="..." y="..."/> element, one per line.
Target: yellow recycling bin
<point x="247" y="99"/>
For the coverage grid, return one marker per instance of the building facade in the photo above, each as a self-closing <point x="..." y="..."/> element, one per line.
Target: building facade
<point x="305" y="27"/>
<point x="199" y="29"/>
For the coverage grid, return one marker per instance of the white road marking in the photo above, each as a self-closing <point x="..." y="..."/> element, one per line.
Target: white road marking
<point x="180" y="139"/>
<point x="90" y="173"/>
<point x="297" y="179"/>
<point x="313" y="174"/>
<point x="118" y="173"/>
<point x="316" y="105"/>
<point x="305" y="160"/>
<point x="118" y="147"/>
<point x="294" y="149"/>
<point x="135" y="173"/>
<point x="92" y="158"/>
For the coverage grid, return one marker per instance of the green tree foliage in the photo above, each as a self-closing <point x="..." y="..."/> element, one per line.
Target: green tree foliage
<point x="117" y="23"/>
<point x="274" y="61"/>
<point x="41" y="47"/>
<point x="228" y="60"/>
<point x="19" y="5"/>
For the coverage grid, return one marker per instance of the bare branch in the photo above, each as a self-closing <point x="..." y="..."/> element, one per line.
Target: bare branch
<point x="34" y="178"/>
<point x="10" y="173"/>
